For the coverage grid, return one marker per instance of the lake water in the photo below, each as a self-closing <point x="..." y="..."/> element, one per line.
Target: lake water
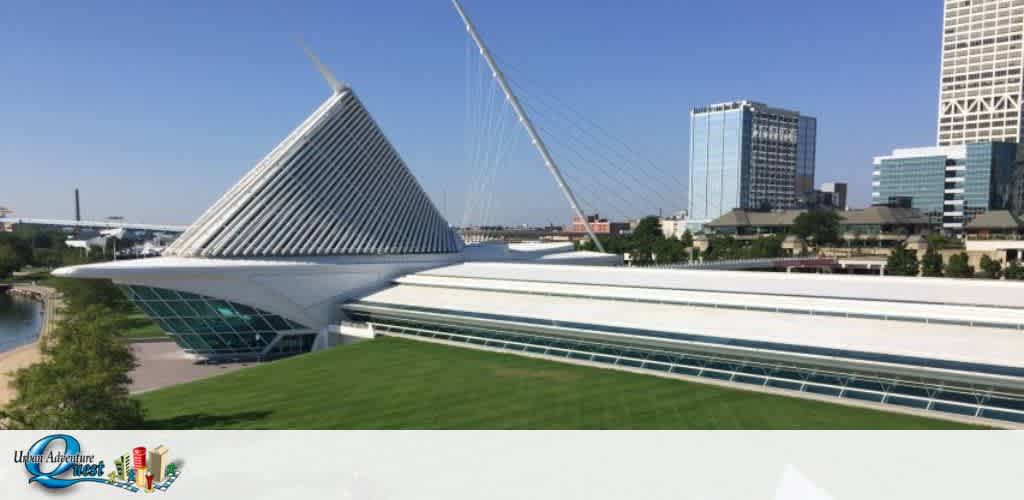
<point x="20" y="321"/>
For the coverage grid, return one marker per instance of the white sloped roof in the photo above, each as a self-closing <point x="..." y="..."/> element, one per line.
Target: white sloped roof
<point x="334" y="186"/>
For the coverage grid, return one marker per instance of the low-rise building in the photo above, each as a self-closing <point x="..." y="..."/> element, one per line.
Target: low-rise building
<point x="881" y="223"/>
<point x="5" y="226"/>
<point x="999" y="234"/>
<point x="673" y="226"/>
<point x="740" y="223"/>
<point x="597" y="225"/>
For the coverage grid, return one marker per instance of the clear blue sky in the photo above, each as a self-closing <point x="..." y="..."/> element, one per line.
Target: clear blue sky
<point x="154" y="108"/>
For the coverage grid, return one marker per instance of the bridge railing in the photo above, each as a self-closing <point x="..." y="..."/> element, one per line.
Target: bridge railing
<point x="759" y="263"/>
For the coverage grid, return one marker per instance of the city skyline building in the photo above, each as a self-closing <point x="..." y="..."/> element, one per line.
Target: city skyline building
<point x="951" y="184"/>
<point x="834" y="194"/>
<point x="745" y="154"/>
<point x="980" y="83"/>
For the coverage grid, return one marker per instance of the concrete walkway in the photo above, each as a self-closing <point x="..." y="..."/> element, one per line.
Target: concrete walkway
<point x="28" y="354"/>
<point x="163" y="364"/>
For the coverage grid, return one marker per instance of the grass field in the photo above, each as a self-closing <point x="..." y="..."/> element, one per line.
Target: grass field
<point x="393" y="383"/>
<point x="139" y="326"/>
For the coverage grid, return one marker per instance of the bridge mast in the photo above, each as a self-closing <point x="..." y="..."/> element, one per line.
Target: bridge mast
<point x="535" y="138"/>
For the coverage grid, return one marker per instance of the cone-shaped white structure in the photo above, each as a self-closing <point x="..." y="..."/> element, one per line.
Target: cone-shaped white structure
<point x="334" y="186"/>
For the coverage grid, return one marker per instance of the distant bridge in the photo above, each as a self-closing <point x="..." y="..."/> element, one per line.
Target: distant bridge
<point x="108" y="224"/>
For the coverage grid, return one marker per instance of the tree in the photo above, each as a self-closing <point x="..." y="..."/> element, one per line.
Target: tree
<point x="764" y="247"/>
<point x="8" y="261"/>
<point x="21" y="247"/>
<point x="79" y="294"/>
<point x="687" y="239"/>
<point x="82" y="381"/>
<point x="1014" y="271"/>
<point x="931" y="263"/>
<point x="957" y="267"/>
<point x="990" y="269"/>
<point x="645" y="235"/>
<point x="901" y="262"/>
<point x="941" y="242"/>
<point x="649" y="228"/>
<point x="669" y="251"/>
<point x="819" y="224"/>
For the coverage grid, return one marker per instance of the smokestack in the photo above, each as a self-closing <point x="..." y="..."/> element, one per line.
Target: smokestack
<point x="78" y="210"/>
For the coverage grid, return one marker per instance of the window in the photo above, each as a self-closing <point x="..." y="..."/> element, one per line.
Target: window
<point x="214" y="327"/>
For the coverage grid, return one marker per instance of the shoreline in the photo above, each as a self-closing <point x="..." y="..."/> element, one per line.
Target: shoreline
<point x="39" y="319"/>
<point x="28" y="354"/>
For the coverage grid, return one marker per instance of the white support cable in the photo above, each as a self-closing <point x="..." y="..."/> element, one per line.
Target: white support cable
<point x="604" y="172"/>
<point x="495" y="129"/>
<point x="593" y="146"/>
<point x="539" y="92"/>
<point x="549" y="162"/>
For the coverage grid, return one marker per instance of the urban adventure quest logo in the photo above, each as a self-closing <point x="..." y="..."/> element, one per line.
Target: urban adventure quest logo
<point x="139" y="470"/>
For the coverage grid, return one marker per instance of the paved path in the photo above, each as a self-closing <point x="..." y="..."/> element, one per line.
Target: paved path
<point x="162" y="364"/>
<point x="26" y="355"/>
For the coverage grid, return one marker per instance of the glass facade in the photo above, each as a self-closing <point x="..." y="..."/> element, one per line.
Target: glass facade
<point x="989" y="169"/>
<point x="806" y="151"/>
<point x="717" y="159"/>
<point x="217" y="328"/>
<point x="747" y="155"/>
<point x="951" y="186"/>
<point x="920" y="178"/>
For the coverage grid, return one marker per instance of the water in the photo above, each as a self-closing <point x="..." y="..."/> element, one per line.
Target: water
<point x="20" y="321"/>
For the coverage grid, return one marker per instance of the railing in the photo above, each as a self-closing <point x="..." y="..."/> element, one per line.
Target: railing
<point x="761" y="263"/>
<point x="995" y="237"/>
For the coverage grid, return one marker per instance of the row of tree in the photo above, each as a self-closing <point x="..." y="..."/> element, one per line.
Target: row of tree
<point x="904" y="262"/>
<point x="83" y="380"/>
<point x="646" y="244"/>
<point x="30" y="246"/>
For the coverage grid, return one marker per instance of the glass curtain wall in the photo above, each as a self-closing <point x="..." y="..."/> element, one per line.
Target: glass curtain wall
<point x="218" y="328"/>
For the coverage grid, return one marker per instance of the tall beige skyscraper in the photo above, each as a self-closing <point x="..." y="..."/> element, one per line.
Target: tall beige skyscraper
<point x="158" y="463"/>
<point x="982" y="58"/>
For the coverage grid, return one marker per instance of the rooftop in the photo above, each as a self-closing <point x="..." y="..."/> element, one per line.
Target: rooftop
<point x="995" y="219"/>
<point x="876" y="215"/>
<point x="739" y="217"/>
<point x="938" y="319"/>
<point x="958" y="152"/>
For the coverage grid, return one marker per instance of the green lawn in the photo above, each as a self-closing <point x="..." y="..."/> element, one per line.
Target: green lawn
<point x="393" y="383"/>
<point x="140" y="326"/>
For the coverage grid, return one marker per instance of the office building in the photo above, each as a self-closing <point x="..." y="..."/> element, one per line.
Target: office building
<point x="745" y="154"/>
<point x="834" y="195"/>
<point x="980" y="83"/>
<point x="951" y="184"/>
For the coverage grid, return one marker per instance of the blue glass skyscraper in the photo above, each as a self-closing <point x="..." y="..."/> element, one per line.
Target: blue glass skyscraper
<point x="744" y="154"/>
